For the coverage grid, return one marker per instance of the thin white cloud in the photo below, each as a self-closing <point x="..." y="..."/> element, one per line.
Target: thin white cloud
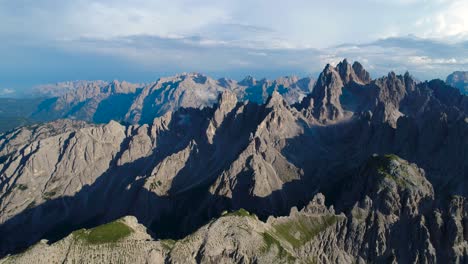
<point x="257" y="24"/>
<point x="6" y="91"/>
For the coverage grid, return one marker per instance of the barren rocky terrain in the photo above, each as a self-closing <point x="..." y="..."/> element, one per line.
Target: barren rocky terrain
<point x="357" y="170"/>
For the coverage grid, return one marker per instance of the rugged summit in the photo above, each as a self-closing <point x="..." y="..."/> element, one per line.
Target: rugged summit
<point x="389" y="154"/>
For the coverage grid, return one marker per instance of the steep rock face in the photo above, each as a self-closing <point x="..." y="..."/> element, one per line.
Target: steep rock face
<point x="59" y="165"/>
<point x="260" y="171"/>
<point x="326" y="95"/>
<point x="459" y="80"/>
<point x="391" y="91"/>
<point x="325" y="100"/>
<point x="226" y="103"/>
<point x="161" y="179"/>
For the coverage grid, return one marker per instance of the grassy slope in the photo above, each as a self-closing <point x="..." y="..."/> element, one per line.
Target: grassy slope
<point x="107" y="233"/>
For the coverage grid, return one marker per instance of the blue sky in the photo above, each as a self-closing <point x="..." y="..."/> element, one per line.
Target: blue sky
<point x="45" y="41"/>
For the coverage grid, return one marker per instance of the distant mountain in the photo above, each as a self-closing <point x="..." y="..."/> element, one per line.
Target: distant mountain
<point x="459" y="80"/>
<point x="389" y="154"/>
<point x="194" y="90"/>
<point x="100" y="101"/>
<point x="86" y="100"/>
<point x="62" y="88"/>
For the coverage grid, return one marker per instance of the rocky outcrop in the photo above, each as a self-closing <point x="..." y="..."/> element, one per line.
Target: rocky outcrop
<point x="324" y="102"/>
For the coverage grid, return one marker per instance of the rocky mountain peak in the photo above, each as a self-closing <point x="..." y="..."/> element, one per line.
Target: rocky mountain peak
<point x="327" y="91"/>
<point x="361" y="73"/>
<point x="275" y="100"/>
<point x="227" y="101"/>
<point x="348" y="73"/>
<point x="248" y="81"/>
<point x="324" y="101"/>
<point x="459" y="80"/>
<point x="392" y="183"/>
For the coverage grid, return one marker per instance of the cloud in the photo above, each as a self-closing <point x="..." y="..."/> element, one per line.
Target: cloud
<point x="449" y="21"/>
<point x="6" y="92"/>
<point x="261" y="24"/>
<point x="425" y="58"/>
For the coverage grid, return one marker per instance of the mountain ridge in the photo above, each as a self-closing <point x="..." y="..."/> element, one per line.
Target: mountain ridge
<point x="189" y="165"/>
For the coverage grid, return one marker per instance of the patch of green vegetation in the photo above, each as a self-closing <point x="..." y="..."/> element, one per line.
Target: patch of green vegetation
<point x="383" y="166"/>
<point x="107" y="233"/>
<point x="168" y="244"/>
<point x="299" y="231"/>
<point x="22" y="187"/>
<point x="271" y="242"/>
<point x="240" y="212"/>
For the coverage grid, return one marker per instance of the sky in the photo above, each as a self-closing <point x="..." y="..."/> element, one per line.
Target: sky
<point x="47" y="41"/>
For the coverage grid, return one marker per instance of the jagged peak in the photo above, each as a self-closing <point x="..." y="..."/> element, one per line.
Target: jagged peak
<point x="248" y="81"/>
<point x="275" y="100"/>
<point x="352" y="73"/>
<point x="343" y="65"/>
<point x="361" y="73"/>
<point x="227" y="97"/>
<point x="327" y="69"/>
<point x="392" y="75"/>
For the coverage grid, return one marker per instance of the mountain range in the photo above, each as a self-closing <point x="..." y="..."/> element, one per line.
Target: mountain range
<point x="100" y="101"/>
<point x="346" y="169"/>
